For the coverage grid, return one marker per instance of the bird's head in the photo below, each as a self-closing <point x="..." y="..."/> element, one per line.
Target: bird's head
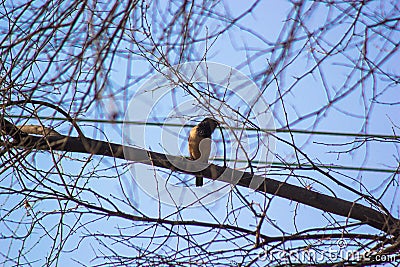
<point x="212" y="122"/>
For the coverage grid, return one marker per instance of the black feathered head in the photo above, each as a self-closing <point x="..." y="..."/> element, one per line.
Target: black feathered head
<point x="207" y="127"/>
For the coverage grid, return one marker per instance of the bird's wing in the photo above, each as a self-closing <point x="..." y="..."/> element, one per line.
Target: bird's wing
<point x="205" y="149"/>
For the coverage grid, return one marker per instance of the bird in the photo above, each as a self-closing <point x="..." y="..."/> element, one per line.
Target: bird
<point x="200" y="143"/>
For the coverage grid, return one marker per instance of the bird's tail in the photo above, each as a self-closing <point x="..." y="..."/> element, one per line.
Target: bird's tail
<point x="199" y="180"/>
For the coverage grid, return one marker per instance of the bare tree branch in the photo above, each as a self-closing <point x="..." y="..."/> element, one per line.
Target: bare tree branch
<point x="347" y="209"/>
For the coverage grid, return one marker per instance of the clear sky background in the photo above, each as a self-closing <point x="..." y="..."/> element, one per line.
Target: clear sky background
<point x="248" y="47"/>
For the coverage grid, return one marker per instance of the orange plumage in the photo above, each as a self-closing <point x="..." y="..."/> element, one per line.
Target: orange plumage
<point x="200" y="142"/>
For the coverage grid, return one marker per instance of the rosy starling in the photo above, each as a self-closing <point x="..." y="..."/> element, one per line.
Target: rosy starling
<point x="200" y="143"/>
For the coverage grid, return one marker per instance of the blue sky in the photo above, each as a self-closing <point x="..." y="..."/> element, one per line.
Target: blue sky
<point x="248" y="47"/>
